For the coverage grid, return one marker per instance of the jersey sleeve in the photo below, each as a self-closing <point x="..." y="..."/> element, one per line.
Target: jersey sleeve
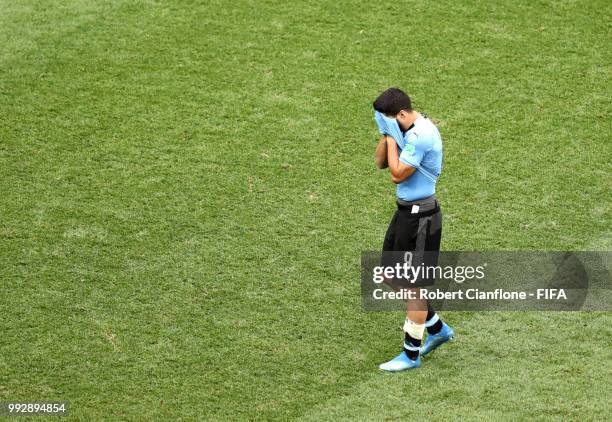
<point x="414" y="151"/>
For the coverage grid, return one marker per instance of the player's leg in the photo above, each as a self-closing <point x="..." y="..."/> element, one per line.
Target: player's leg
<point x="438" y="332"/>
<point x="414" y="326"/>
<point x="405" y="230"/>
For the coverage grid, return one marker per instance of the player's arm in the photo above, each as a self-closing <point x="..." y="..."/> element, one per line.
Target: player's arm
<point x="380" y="156"/>
<point x="399" y="171"/>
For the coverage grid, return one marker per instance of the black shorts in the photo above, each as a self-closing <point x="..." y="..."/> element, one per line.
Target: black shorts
<point x="418" y="234"/>
<point x="414" y="232"/>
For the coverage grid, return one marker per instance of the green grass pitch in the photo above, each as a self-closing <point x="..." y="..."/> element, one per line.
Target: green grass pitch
<point x="187" y="187"/>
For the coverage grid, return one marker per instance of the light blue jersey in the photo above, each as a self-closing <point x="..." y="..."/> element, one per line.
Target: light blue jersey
<point x="422" y="150"/>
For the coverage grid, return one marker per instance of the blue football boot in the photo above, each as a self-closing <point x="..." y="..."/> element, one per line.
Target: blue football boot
<point x="436" y="340"/>
<point x="400" y="363"/>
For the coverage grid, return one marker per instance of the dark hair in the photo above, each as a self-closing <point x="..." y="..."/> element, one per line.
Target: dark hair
<point x="392" y="101"/>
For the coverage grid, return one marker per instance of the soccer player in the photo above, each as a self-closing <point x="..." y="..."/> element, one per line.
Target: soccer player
<point x="416" y="226"/>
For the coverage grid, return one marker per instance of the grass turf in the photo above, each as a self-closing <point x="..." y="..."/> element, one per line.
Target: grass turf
<point x="187" y="188"/>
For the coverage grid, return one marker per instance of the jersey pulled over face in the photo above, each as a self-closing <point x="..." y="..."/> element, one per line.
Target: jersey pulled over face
<point x="422" y="150"/>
